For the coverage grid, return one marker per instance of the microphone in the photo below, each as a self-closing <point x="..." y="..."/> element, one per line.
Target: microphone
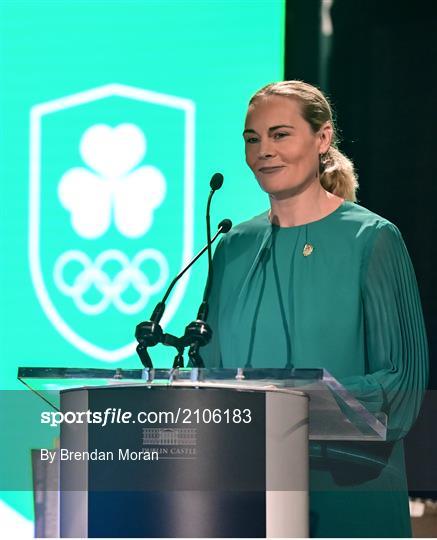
<point x="216" y="181"/>
<point x="149" y="333"/>
<point x="215" y="184"/>
<point x="224" y="226"/>
<point x="198" y="333"/>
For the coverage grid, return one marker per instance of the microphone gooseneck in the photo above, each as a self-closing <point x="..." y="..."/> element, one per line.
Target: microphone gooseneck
<point x="198" y="333"/>
<point x="224" y="226"/>
<point x="160" y="307"/>
<point x="149" y="333"/>
<point x="215" y="184"/>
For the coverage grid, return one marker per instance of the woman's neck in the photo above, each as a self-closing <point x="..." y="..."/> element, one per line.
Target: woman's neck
<point x="310" y="205"/>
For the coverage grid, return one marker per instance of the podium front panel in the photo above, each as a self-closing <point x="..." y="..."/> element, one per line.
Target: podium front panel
<point x="229" y="462"/>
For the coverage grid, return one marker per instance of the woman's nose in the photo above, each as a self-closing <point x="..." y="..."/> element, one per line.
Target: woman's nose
<point x="266" y="149"/>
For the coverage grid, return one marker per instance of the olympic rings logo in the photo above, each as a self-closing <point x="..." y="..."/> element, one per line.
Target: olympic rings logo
<point x="92" y="274"/>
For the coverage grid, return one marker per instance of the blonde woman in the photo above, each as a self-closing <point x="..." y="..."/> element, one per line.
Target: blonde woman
<point x="319" y="281"/>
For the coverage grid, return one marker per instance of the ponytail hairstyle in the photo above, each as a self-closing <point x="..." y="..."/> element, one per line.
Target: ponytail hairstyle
<point x="337" y="174"/>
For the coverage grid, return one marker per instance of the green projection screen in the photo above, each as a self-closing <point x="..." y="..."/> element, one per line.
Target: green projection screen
<point x="114" y="116"/>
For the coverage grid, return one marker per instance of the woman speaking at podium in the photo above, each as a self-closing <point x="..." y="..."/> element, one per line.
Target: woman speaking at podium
<point x="319" y="281"/>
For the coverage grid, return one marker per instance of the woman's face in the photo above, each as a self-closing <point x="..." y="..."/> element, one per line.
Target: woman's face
<point x="281" y="148"/>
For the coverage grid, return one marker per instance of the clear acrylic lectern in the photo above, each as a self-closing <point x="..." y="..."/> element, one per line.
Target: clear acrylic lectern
<point x="202" y="452"/>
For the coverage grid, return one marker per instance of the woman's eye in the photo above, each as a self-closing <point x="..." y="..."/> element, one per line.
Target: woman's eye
<point x="251" y="140"/>
<point x="280" y="134"/>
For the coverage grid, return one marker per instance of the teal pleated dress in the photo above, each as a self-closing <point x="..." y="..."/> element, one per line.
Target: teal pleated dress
<point x="351" y="306"/>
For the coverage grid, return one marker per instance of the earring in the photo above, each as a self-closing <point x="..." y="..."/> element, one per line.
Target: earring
<point x="322" y="162"/>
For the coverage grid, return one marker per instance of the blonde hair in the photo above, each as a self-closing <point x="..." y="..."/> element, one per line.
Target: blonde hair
<point x="337" y="174"/>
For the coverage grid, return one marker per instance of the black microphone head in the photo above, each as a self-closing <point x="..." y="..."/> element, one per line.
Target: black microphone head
<point x="216" y="181"/>
<point x="225" y="225"/>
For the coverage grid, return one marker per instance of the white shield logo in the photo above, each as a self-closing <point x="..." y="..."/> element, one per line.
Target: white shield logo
<point x="111" y="211"/>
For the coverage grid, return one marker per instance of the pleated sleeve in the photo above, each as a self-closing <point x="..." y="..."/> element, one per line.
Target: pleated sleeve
<point x="395" y="340"/>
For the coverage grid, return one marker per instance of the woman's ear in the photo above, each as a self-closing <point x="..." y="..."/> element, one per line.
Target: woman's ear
<point x="325" y="134"/>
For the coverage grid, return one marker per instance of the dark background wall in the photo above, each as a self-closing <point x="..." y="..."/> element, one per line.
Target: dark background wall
<point x="379" y="68"/>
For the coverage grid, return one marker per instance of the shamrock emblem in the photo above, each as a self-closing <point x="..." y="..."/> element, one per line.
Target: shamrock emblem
<point x="113" y="187"/>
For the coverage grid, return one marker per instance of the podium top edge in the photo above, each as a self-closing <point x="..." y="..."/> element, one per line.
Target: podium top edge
<point x="165" y="373"/>
<point x="238" y="386"/>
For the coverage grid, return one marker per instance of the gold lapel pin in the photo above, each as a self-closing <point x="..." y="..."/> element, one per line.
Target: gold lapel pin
<point x="307" y="250"/>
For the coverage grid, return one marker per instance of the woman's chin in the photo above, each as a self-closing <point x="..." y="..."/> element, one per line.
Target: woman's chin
<point x="285" y="193"/>
<point x="281" y="192"/>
